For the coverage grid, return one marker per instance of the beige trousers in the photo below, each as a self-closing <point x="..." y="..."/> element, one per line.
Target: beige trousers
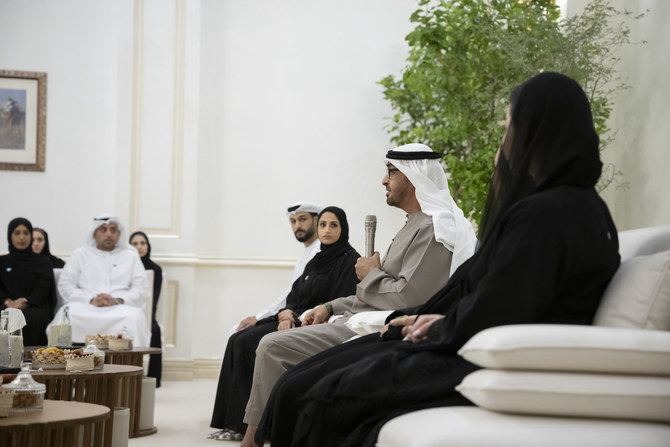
<point x="280" y="351"/>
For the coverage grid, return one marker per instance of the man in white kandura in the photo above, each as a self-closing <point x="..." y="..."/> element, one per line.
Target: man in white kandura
<point x="104" y="285"/>
<point x="302" y="216"/>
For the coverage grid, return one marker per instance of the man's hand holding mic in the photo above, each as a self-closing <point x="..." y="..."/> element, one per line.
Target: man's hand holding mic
<point x="364" y="265"/>
<point x="371" y="259"/>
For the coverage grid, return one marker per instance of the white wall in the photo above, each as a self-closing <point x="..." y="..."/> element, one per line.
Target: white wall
<point x="76" y="44"/>
<point x="200" y="121"/>
<point x="640" y="117"/>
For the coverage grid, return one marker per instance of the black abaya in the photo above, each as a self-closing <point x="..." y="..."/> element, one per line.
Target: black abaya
<point x="25" y="274"/>
<point x="329" y="275"/>
<point x="155" y="369"/>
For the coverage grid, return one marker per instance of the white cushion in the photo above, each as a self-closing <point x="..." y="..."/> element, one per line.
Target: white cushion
<point x="570" y="394"/>
<point x="644" y="241"/>
<point x="638" y="295"/>
<point x="364" y="323"/>
<point x="556" y="347"/>
<point x="476" y="427"/>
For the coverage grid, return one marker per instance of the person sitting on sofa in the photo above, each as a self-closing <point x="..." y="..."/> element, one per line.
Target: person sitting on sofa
<point x="436" y="238"/>
<point x="330" y="274"/>
<point x="27" y="282"/>
<point x="548" y="248"/>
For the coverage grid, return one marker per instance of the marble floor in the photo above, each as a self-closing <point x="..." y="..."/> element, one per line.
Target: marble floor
<point x="182" y="414"/>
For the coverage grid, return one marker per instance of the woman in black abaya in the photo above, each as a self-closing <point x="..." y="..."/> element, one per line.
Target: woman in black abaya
<point x="329" y="275"/>
<point x="548" y="248"/>
<point x="27" y="282"/>
<point x="41" y="247"/>
<point x="140" y="241"/>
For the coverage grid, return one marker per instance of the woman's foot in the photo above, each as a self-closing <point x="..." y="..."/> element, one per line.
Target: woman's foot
<point x="216" y="433"/>
<point x="248" y="440"/>
<point x="229" y="436"/>
<point x="225" y="435"/>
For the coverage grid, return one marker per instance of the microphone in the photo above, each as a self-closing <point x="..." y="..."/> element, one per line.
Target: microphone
<point x="370" y="227"/>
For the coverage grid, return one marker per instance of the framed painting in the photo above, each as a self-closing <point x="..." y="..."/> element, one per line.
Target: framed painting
<point x="23" y="116"/>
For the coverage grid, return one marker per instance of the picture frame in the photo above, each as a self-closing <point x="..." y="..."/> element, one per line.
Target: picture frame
<point x="23" y="110"/>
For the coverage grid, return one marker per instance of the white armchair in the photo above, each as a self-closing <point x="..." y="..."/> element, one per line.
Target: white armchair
<point x="554" y="385"/>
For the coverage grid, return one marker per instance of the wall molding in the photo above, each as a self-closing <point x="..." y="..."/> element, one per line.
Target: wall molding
<point x="137" y="108"/>
<point x="187" y="260"/>
<point x="173" y="229"/>
<point x="170" y="313"/>
<point x="187" y="370"/>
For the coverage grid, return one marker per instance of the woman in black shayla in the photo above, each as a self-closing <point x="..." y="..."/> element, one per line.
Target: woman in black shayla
<point x="27" y="282"/>
<point x="329" y="275"/>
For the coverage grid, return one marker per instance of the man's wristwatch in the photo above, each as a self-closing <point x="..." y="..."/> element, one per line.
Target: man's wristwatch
<point x="118" y="300"/>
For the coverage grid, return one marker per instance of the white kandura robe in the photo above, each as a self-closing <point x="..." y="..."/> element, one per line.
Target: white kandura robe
<point x="280" y="302"/>
<point x="120" y="273"/>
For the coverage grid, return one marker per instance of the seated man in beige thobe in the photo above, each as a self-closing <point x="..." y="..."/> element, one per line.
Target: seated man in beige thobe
<point x="435" y="240"/>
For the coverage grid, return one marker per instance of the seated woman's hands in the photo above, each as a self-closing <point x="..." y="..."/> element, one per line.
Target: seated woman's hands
<point x="285" y="320"/>
<point x="419" y="330"/>
<point x="400" y="321"/>
<point x="19" y="303"/>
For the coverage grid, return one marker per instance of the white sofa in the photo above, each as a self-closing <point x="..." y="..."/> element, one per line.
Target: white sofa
<point x="553" y="385"/>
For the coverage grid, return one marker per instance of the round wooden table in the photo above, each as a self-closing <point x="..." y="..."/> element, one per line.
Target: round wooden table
<point x="60" y="423"/>
<point x="132" y="357"/>
<point x="111" y="386"/>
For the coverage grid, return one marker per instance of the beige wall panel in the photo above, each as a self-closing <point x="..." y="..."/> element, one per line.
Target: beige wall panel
<point x="158" y="120"/>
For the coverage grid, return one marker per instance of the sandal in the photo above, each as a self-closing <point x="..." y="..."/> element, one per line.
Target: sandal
<point x="229" y="436"/>
<point x="216" y="434"/>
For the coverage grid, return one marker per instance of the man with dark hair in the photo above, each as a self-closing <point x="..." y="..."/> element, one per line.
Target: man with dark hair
<point x="302" y="217"/>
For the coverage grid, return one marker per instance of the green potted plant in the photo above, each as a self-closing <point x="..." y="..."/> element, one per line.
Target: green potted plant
<point x="465" y="57"/>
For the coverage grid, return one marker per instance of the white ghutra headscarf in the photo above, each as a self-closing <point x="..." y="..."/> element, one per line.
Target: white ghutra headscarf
<point x="421" y="166"/>
<point x="104" y="219"/>
<point x="303" y="207"/>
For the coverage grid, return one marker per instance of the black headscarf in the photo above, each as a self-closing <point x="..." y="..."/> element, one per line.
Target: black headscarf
<point x="150" y="265"/>
<point x="146" y="259"/>
<point x="46" y="250"/>
<point x="332" y="251"/>
<point x="25" y="258"/>
<point x="550" y="141"/>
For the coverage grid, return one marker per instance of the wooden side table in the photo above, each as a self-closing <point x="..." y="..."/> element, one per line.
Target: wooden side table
<point x="59" y="423"/>
<point x="111" y="386"/>
<point x="132" y="357"/>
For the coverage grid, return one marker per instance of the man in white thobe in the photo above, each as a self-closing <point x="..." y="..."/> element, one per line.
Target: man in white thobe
<point x="303" y="217"/>
<point x="104" y="285"/>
